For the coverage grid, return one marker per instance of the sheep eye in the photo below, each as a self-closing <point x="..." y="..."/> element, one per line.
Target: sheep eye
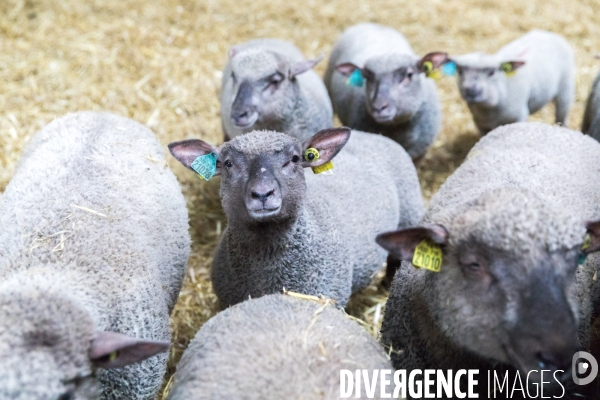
<point x="228" y="164"/>
<point x="409" y="75"/>
<point x="492" y="72"/>
<point x="295" y="158"/>
<point x="474" y="267"/>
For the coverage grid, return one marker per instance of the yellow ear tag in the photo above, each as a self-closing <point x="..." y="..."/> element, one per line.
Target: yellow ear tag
<point x="427" y="67"/>
<point x="113" y="356"/>
<point x="311" y="155"/>
<point x="428" y="255"/>
<point x="587" y="242"/>
<point x="507" y="68"/>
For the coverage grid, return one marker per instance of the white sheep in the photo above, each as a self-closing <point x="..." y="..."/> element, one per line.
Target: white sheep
<point x="93" y="246"/>
<point x="518" y="80"/>
<point x="376" y="83"/>
<point x="313" y="234"/>
<point x="268" y="84"/>
<point x="514" y="291"/>
<point x="276" y="347"/>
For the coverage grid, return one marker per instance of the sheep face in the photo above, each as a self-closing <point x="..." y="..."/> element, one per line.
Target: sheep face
<point x="263" y="171"/>
<point x="45" y="348"/>
<point x="49" y="346"/>
<point x="264" y="87"/>
<point x="506" y="288"/>
<point x="482" y="79"/>
<point x="394" y="84"/>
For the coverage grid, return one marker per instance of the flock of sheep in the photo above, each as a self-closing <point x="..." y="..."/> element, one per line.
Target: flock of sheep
<point x="94" y="230"/>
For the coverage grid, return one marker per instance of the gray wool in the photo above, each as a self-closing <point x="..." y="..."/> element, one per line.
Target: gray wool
<point x="329" y="247"/>
<point x="548" y="75"/>
<point x="524" y="191"/>
<point x="282" y="348"/>
<point x="591" y="117"/>
<point x="303" y="106"/>
<point x="382" y="49"/>
<point x="93" y="237"/>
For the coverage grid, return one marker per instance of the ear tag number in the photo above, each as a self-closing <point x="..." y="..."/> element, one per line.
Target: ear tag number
<point x="312" y="155"/>
<point x="507" y="68"/>
<point x="428" y="255"/>
<point x="449" y="68"/>
<point x="205" y="166"/>
<point x="355" y="79"/>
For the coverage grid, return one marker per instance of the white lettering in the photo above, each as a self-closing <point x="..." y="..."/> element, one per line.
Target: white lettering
<point x="412" y="384"/>
<point x="346" y="384"/>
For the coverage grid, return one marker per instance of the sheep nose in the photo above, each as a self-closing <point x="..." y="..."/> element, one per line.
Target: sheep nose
<point x="242" y="114"/>
<point x="263" y="195"/>
<point x="473" y="91"/>
<point x="380" y="107"/>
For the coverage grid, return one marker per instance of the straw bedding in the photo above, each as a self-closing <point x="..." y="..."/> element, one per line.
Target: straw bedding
<point x="159" y="62"/>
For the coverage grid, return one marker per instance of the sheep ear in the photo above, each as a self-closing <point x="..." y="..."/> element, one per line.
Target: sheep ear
<point x="303" y="66"/>
<point x="115" y="350"/>
<point x="402" y="243"/>
<point x="593" y="230"/>
<point x="509" y="67"/>
<point x="347" y="69"/>
<point x="327" y="142"/>
<point x="432" y="61"/>
<point x="232" y="52"/>
<point x="186" y="152"/>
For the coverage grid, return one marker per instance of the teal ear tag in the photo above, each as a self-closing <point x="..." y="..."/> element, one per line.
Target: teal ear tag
<point x="582" y="258"/>
<point x="449" y="68"/>
<point x="205" y="166"/>
<point x="355" y="79"/>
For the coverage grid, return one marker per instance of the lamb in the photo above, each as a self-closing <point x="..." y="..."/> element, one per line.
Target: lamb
<point x="282" y="348"/>
<point x="268" y="84"/>
<point x="302" y="232"/>
<point x="397" y="101"/>
<point x="518" y="80"/>
<point x="513" y="290"/>
<point x="93" y="246"/>
<point x="591" y="117"/>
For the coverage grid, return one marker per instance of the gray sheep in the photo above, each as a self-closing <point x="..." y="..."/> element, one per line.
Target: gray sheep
<point x="513" y="290"/>
<point x="518" y="80"/>
<point x="275" y="347"/>
<point x="397" y="100"/>
<point x="308" y="233"/>
<point x="93" y="246"/>
<point x="591" y="117"/>
<point x="268" y="84"/>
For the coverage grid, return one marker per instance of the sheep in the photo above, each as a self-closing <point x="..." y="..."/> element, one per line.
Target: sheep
<point x="509" y="293"/>
<point x="591" y="118"/>
<point x="302" y="232"/>
<point x="518" y="80"/>
<point x="268" y="84"/>
<point x="93" y="246"/>
<point x="397" y="101"/>
<point x="282" y="348"/>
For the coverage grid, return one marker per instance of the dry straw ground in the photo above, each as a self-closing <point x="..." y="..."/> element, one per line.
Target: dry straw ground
<point x="159" y="63"/>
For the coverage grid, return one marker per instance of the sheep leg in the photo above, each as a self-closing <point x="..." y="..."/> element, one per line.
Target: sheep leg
<point x="562" y="103"/>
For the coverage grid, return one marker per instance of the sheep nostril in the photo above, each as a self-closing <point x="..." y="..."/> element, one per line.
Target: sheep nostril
<point x="262" y="196"/>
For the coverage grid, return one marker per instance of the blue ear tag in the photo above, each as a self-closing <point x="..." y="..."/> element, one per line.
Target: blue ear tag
<point x="449" y="68"/>
<point x="205" y="166"/>
<point x="355" y="79"/>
